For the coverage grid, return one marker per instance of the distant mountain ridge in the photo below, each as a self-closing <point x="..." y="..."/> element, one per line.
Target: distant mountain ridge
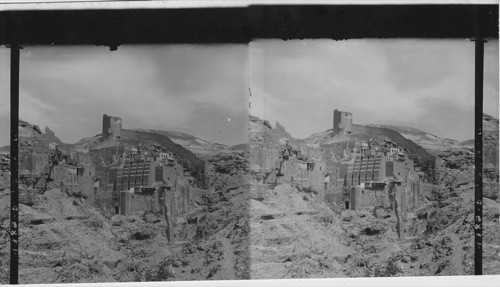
<point x="184" y="155"/>
<point x="434" y="143"/>
<point x="424" y="139"/>
<point x="190" y="142"/>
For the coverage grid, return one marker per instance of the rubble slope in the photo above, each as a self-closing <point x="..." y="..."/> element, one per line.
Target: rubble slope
<point x="64" y="239"/>
<point x="293" y="235"/>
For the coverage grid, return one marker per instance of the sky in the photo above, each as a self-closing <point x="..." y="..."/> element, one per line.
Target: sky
<point x="425" y="84"/>
<point x="197" y="89"/>
<point x="204" y="90"/>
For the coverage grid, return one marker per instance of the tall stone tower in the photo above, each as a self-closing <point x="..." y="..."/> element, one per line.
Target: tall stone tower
<point x="342" y="122"/>
<point x="111" y="127"/>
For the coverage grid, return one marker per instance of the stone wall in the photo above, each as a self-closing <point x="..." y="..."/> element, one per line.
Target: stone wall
<point x="33" y="162"/>
<point x="342" y="122"/>
<point x="74" y="181"/>
<point x="84" y="158"/>
<point x="396" y="168"/>
<point x="64" y="177"/>
<point x="265" y="139"/>
<point x="86" y="181"/>
<point x="40" y="162"/>
<point x="138" y="203"/>
<point x="177" y="197"/>
<point x="111" y="127"/>
<point x="370" y="197"/>
<point x="266" y="159"/>
<point x="25" y="161"/>
<point x="305" y="175"/>
<point x="104" y="155"/>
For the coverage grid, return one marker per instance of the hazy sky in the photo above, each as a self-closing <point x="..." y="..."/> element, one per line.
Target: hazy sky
<point x="203" y="89"/>
<point x="426" y="84"/>
<point x="198" y="89"/>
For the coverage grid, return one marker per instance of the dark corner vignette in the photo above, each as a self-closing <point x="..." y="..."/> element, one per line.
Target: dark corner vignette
<point x="261" y="22"/>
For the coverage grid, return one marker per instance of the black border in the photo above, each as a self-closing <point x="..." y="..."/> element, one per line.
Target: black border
<point x="240" y="25"/>
<point x="14" y="189"/>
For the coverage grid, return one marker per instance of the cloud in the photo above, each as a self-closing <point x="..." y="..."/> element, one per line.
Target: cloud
<point x="161" y="87"/>
<point x="196" y="88"/>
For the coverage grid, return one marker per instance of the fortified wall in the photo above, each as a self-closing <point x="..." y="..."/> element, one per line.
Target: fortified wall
<point x="304" y="174"/>
<point x="277" y="161"/>
<point x="149" y="185"/>
<point x="361" y="182"/>
<point x="74" y="180"/>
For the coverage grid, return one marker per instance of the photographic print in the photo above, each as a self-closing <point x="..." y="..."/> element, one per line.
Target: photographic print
<point x="132" y="164"/>
<point x="260" y="142"/>
<point x="362" y="156"/>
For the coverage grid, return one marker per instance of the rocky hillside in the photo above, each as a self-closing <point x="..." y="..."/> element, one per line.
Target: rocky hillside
<point x="438" y="236"/>
<point x="65" y="240"/>
<point x="491" y="202"/>
<point x="190" y="142"/>
<point x="294" y="235"/>
<point x="259" y="128"/>
<point x="257" y="125"/>
<point x="51" y="137"/>
<point x="490" y="123"/>
<point x="490" y="157"/>
<point x="184" y="156"/>
<point x="281" y="132"/>
<point x="319" y="137"/>
<point x="426" y="140"/>
<point x="467" y="143"/>
<point x="28" y="130"/>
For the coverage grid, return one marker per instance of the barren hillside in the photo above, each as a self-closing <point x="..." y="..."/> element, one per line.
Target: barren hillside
<point x="294" y="233"/>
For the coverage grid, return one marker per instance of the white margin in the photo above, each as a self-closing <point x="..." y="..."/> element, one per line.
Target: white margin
<point x="19" y="5"/>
